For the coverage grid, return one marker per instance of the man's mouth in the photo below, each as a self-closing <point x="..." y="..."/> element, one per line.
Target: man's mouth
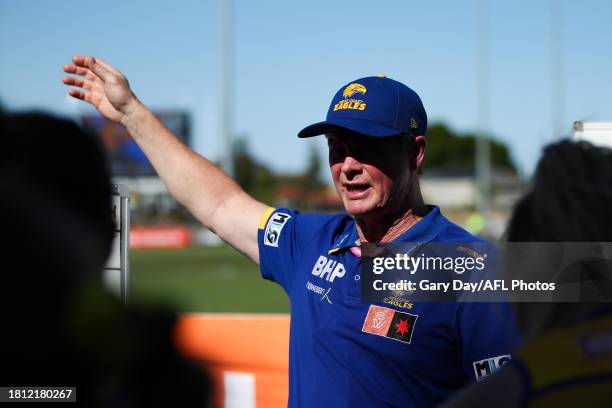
<point x="357" y="188"/>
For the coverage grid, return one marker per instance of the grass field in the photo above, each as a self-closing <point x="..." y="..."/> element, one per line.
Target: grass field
<point x="202" y="279"/>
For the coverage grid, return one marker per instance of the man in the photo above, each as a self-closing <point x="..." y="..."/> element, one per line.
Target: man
<point x="338" y="356"/>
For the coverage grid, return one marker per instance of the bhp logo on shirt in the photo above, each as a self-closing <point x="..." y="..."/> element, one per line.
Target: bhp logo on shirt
<point x="328" y="269"/>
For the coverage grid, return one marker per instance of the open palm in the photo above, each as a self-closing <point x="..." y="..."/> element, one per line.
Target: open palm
<point x="100" y="84"/>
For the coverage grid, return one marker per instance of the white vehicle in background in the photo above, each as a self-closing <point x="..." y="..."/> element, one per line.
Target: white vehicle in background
<point x="597" y="133"/>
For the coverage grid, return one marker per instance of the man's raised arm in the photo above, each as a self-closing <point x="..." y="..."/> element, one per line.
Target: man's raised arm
<point x="208" y="193"/>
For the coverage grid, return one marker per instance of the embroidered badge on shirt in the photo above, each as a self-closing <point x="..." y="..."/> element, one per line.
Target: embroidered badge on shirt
<point x="390" y="323"/>
<point x="486" y="367"/>
<point x="274" y="228"/>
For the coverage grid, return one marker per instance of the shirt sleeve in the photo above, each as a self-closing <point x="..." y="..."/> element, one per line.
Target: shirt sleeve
<point x="282" y="237"/>
<point x="488" y="336"/>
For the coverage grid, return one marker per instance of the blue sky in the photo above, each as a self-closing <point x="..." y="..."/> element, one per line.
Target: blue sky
<point x="291" y="57"/>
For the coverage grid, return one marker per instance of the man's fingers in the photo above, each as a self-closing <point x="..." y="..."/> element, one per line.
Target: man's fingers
<point x="73" y="69"/>
<point x="91" y="97"/>
<point x="68" y="80"/>
<point x="95" y="69"/>
<point x="80" y="82"/>
<point x="75" y="93"/>
<point x="83" y="61"/>
<point x="91" y="63"/>
<point x="108" y="66"/>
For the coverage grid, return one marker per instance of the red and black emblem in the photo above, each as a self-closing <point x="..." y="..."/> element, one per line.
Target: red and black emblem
<point x="386" y="322"/>
<point x="402" y="326"/>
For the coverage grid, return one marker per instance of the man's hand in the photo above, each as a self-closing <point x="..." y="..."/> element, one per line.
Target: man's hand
<point x="102" y="85"/>
<point x="194" y="181"/>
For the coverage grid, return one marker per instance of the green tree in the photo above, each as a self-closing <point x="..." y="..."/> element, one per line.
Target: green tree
<point x="450" y="150"/>
<point x="255" y="178"/>
<point x="312" y="175"/>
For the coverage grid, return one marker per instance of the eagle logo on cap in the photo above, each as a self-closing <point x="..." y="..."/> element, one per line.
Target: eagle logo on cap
<point x="353" y="89"/>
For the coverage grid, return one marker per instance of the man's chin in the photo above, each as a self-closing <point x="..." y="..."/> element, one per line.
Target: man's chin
<point x="357" y="209"/>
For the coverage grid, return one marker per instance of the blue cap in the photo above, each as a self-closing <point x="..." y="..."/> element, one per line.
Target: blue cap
<point x="374" y="106"/>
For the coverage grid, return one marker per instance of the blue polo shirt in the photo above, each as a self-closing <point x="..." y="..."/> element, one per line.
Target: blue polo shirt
<point x="333" y="360"/>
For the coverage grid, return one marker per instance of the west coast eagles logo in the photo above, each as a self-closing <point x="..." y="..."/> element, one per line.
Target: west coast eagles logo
<point x="354" y="104"/>
<point x="353" y="89"/>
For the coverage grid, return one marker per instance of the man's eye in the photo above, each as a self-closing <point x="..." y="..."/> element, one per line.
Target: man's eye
<point x="337" y="153"/>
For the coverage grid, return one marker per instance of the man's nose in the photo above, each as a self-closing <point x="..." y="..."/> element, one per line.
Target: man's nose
<point x="351" y="167"/>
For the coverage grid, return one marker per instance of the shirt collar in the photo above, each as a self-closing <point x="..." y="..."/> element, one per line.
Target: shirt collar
<point x="426" y="230"/>
<point x="347" y="239"/>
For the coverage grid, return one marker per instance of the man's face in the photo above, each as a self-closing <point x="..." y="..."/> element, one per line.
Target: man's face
<point x="370" y="174"/>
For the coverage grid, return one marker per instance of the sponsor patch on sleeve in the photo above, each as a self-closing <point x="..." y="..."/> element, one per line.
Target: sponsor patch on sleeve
<point x="390" y="323"/>
<point x="486" y="367"/>
<point x="274" y="228"/>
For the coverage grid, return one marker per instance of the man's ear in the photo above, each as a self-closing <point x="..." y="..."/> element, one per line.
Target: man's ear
<point x="419" y="153"/>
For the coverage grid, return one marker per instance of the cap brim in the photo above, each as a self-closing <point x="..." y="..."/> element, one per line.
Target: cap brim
<point x="364" y="127"/>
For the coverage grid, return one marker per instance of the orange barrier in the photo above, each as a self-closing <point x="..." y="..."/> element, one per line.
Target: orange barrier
<point x="169" y="236"/>
<point x="245" y="354"/>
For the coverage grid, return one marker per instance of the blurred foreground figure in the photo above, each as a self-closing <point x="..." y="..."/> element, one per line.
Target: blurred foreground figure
<point x="566" y="360"/>
<point x="344" y="351"/>
<point x="60" y="326"/>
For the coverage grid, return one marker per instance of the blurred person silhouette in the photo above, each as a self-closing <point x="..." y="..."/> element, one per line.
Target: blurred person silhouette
<point x="61" y="327"/>
<point x="566" y="359"/>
